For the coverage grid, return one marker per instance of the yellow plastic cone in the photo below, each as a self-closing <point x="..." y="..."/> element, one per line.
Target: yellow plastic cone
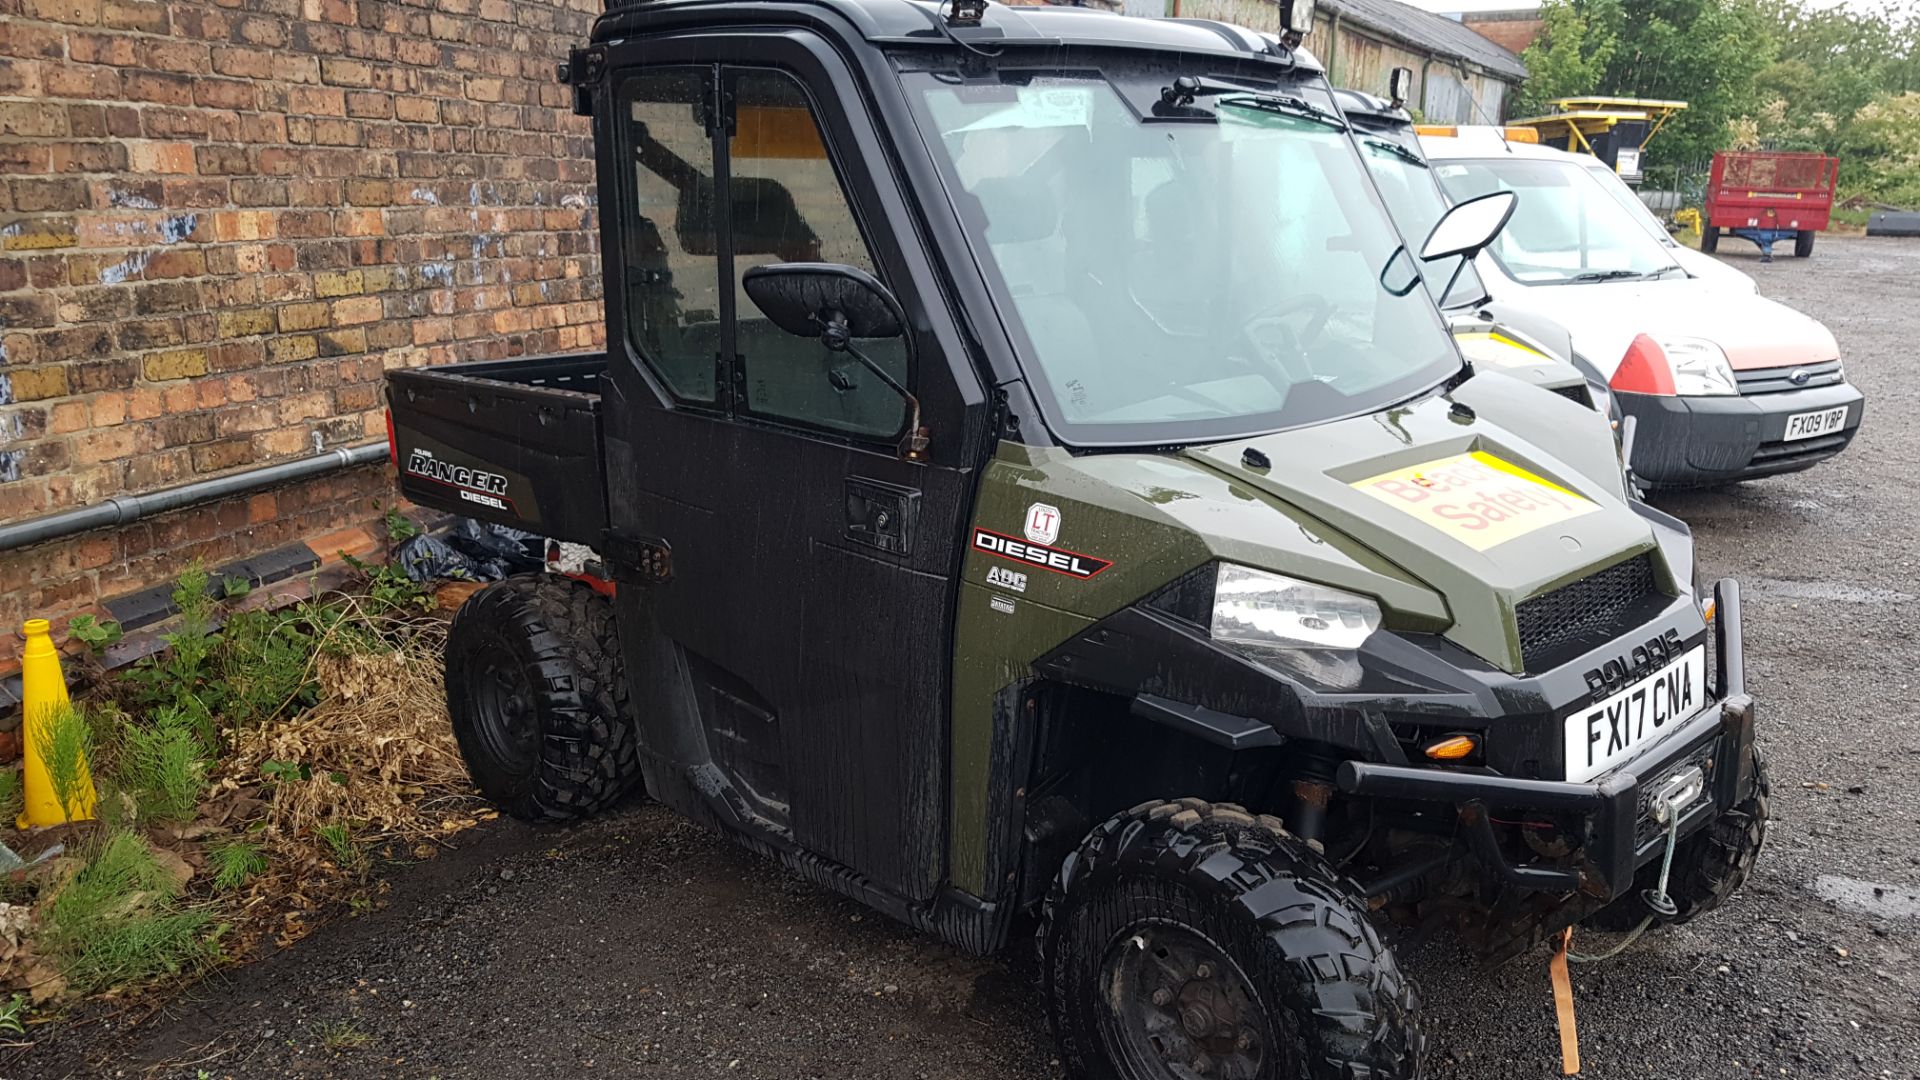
<point x="43" y="692"/>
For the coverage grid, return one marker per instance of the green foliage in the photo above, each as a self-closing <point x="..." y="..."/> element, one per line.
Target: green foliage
<point x="398" y="527"/>
<point x="343" y="1035"/>
<point x="12" y="796"/>
<point x="281" y="771"/>
<point x="1703" y="52"/>
<point x="117" y="923"/>
<point x="163" y="765"/>
<point x="65" y="737"/>
<point x="91" y="632"/>
<point x="390" y="589"/>
<point x="1570" y="56"/>
<point x="13" y="1015"/>
<point x="339" y="839"/>
<point x="264" y="668"/>
<point x="234" y="864"/>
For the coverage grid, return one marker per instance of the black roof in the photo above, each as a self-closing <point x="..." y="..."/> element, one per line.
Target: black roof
<point x="1428" y="32"/>
<point x="916" y="22"/>
<point x="1371" y="111"/>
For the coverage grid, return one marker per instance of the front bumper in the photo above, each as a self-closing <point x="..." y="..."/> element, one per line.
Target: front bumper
<point x="1691" y="441"/>
<point x="1614" y="808"/>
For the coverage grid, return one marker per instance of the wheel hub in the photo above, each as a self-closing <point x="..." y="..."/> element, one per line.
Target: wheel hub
<point x="509" y="722"/>
<point x="1177" y="1006"/>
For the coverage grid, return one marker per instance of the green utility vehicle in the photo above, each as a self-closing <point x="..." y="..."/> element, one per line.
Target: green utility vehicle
<point x="1027" y="485"/>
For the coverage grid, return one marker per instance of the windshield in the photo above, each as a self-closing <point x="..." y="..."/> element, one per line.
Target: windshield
<point x="1611" y="183"/>
<point x="1567" y="228"/>
<point x="1414" y="199"/>
<point x="1211" y="272"/>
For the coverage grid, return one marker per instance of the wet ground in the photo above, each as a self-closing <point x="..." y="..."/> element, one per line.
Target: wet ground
<point x="641" y="946"/>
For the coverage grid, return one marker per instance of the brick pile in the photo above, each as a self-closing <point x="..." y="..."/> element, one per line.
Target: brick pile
<point x="221" y="222"/>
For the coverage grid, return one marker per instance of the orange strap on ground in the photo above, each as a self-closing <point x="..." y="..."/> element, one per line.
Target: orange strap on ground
<point x="1563" y="1006"/>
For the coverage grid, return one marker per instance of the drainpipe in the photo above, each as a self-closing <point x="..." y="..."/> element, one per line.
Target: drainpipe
<point x="124" y="509"/>
<point x="1424" y="70"/>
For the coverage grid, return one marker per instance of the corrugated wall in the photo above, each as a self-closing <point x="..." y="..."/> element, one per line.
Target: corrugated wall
<point x="1360" y="60"/>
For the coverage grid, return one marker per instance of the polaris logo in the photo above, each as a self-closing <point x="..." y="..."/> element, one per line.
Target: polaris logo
<point x="1622" y="670"/>
<point x="1058" y="560"/>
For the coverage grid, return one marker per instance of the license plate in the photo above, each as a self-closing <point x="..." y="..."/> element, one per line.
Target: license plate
<point x="1623" y="724"/>
<point x="1808" y="424"/>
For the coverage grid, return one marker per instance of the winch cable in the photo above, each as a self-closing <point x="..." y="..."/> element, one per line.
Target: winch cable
<point x="1656" y="898"/>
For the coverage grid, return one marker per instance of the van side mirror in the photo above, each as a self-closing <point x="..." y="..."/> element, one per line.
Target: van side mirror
<point x="837" y="304"/>
<point x="1400" y="87"/>
<point x="1470" y="226"/>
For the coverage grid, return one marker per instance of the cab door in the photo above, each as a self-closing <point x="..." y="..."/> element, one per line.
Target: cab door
<point x="788" y="599"/>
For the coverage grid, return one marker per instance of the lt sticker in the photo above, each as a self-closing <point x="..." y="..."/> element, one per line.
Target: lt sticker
<point x="1477" y="498"/>
<point x="1043" y="523"/>
<point x="1007" y="578"/>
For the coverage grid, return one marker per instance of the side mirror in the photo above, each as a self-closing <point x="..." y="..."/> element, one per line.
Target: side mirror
<point x="824" y="300"/>
<point x="1469" y="226"/>
<point x="1297" y="16"/>
<point x="837" y="304"/>
<point x="1400" y="86"/>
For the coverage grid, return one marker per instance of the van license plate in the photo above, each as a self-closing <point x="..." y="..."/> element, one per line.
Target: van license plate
<point x="1806" y="425"/>
<point x="1623" y="724"/>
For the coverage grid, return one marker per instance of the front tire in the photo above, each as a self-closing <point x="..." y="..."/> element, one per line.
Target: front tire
<point x="1803" y="243"/>
<point x="1708" y="867"/>
<point x="538" y="698"/>
<point x="1187" y="939"/>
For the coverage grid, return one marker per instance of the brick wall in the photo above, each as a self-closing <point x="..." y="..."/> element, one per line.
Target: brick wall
<point x="221" y="222"/>
<point x="1511" y="30"/>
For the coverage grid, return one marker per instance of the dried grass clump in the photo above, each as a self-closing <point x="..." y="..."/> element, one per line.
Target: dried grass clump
<point x="373" y="750"/>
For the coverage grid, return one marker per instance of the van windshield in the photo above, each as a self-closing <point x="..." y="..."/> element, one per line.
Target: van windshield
<point x="1567" y="229"/>
<point x="1173" y="275"/>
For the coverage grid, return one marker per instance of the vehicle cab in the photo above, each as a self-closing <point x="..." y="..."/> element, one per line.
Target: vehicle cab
<point x="1723" y="386"/>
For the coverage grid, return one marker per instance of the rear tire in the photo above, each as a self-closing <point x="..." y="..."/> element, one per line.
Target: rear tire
<point x="1803" y="243"/>
<point x="1710" y="239"/>
<point x="538" y="698"/>
<point x="1187" y="932"/>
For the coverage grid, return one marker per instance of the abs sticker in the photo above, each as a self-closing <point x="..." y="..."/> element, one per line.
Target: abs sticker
<point x="1058" y="560"/>
<point x="1477" y="498"/>
<point x="1006" y="577"/>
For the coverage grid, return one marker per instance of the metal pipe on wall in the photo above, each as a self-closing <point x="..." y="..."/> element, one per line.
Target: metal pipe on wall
<point x="125" y="509"/>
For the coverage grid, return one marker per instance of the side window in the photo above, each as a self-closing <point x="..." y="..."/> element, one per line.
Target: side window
<point x="787" y="205"/>
<point x="672" y="262"/>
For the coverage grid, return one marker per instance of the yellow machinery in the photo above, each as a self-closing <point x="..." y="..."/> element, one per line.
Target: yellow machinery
<point x="1615" y="130"/>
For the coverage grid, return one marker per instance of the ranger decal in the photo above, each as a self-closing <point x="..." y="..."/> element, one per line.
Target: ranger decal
<point x="1058" y="560"/>
<point x="475" y="485"/>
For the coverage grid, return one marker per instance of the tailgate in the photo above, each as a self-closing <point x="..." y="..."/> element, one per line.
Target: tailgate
<point x="510" y="441"/>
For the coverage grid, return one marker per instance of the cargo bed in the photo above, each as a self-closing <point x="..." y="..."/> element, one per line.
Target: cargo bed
<point x="510" y="441"/>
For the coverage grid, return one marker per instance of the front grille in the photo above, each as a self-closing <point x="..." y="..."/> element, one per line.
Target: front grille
<point x="1555" y="625"/>
<point x="1775" y="453"/>
<point x="1780" y="379"/>
<point x="1577" y="393"/>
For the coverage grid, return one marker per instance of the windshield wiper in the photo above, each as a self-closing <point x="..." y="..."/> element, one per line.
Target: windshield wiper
<point x="1608" y="275"/>
<point x="1286" y="105"/>
<point x="1396" y="150"/>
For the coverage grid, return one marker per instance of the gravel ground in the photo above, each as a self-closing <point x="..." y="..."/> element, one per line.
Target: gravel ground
<point x="639" y="945"/>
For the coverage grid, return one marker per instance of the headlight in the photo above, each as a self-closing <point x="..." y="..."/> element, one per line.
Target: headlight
<point x="1699" y="367"/>
<point x="1253" y="609"/>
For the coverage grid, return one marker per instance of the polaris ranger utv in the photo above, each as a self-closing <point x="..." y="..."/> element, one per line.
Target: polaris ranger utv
<point x="1026" y="482"/>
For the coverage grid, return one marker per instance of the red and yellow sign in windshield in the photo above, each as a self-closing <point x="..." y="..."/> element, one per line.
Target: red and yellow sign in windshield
<point x="1477" y="498"/>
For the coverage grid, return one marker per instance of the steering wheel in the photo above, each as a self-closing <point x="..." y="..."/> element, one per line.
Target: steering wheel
<point x="1275" y="339"/>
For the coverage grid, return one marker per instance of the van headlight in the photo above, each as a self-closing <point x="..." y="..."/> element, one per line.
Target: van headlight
<point x="1255" y="611"/>
<point x="1700" y="368"/>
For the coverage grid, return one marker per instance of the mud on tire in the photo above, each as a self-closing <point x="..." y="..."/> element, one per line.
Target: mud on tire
<point x="1312" y="990"/>
<point x="538" y="697"/>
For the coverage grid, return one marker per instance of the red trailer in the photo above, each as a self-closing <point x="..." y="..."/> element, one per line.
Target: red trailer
<point x="1766" y="195"/>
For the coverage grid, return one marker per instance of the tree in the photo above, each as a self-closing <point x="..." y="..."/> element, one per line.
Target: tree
<point x="1569" y="57"/>
<point x="1703" y="52"/>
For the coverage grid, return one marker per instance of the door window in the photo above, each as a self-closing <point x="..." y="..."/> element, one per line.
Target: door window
<point x="669" y="238"/>
<point x="787" y="205"/>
